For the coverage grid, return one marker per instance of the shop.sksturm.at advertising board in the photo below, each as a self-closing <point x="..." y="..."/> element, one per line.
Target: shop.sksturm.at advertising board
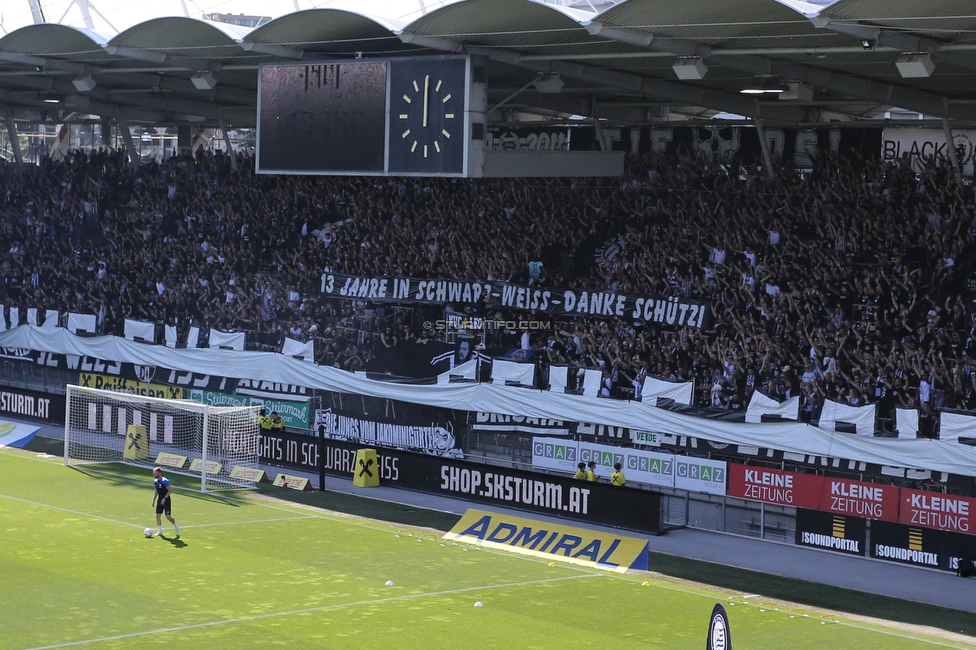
<point x="24" y="403"/>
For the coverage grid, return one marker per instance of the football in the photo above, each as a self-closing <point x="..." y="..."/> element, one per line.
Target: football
<point x="147" y="532"/>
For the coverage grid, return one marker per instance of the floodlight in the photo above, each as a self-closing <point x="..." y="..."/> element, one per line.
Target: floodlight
<point x="203" y="81"/>
<point x="690" y="68"/>
<point x="915" y="65"/>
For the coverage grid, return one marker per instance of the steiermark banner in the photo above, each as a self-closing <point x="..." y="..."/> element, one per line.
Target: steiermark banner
<point x="295" y="415"/>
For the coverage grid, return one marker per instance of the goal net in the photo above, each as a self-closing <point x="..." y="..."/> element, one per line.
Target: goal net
<point x="181" y="436"/>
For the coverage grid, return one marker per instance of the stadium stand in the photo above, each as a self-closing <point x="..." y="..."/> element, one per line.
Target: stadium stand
<point x="839" y="284"/>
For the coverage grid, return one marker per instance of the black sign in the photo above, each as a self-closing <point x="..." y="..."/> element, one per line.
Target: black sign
<point x="560" y="302"/>
<point x="936" y="549"/>
<point x="831" y="532"/>
<point x="429" y="436"/>
<point x="46" y="407"/>
<point x="322" y="118"/>
<point x="481" y="422"/>
<point x="793" y="148"/>
<point x="559" y="496"/>
<point x="719" y="633"/>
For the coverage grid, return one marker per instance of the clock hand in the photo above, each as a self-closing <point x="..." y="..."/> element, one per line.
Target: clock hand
<point x="426" y="96"/>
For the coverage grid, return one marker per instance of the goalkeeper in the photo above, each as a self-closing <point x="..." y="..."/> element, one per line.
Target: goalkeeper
<point x="163" y="501"/>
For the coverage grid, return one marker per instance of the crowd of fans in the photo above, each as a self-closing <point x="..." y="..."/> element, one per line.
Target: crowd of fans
<point x="845" y="282"/>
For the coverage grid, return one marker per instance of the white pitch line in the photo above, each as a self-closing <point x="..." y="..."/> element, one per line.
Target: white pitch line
<point x="877" y="630"/>
<point x="74" y="512"/>
<point x="126" y="523"/>
<point x="309" y="610"/>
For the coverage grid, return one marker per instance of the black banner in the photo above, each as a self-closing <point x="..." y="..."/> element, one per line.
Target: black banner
<point x="481" y="422"/>
<point x="936" y="549"/>
<point x="831" y="532"/>
<point x="434" y="435"/>
<point x="123" y="370"/>
<point x="559" y="302"/>
<point x="559" y="496"/>
<point x="796" y="148"/>
<point x="46" y="407"/>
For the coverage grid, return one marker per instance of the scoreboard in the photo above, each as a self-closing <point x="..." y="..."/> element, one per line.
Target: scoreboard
<point x="420" y="116"/>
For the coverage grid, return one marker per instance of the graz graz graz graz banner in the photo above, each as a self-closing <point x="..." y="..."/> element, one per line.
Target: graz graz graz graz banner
<point x="570" y="302"/>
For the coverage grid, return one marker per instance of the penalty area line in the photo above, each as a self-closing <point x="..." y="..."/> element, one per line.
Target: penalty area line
<point x="308" y="610"/>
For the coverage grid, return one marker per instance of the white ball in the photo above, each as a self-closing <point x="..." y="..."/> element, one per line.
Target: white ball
<point x="389" y="583"/>
<point x="478" y="604"/>
<point x="147" y="532"/>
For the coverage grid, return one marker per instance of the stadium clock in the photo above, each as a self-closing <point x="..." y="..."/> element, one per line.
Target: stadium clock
<point x="427" y="116"/>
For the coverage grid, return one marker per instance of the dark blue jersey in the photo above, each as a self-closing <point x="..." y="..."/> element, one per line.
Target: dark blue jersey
<point x="162" y="486"/>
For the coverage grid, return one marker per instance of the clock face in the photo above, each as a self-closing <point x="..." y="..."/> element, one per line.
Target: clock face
<point x="426" y="133"/>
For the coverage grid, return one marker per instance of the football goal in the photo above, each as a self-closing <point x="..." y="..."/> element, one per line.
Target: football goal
<point x="218" y="444"/>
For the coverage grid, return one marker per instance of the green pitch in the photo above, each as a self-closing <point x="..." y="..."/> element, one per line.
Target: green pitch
<point x="76" y="571"/>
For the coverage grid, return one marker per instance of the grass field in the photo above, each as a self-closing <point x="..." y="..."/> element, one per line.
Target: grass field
<point x="76" y="571"/>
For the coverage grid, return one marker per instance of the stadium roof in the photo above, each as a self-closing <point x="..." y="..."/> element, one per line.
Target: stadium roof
<point x="847" y="61"/>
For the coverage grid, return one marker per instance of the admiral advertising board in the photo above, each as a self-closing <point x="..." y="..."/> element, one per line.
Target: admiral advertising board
<point x="918" y="546"/>
<point x="828" y="494"/>
<point x="831" y="532"/>
<point x="598" y="503"/>
<point x="546" y="540"/>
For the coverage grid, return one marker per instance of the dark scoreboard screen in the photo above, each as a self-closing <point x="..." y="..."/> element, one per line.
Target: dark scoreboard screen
<point x="323" y="118"/>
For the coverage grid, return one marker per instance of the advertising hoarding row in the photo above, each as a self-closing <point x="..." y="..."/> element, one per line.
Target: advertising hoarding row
<point x="843" y="496"/>
<point x="597" y="503"/>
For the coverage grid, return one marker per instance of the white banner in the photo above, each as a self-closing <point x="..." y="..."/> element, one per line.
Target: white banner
<point x="906" y="422"/>
<point x="277" y="369"/>
<point x="303" y="351"/>
<point x="555" y="453"/>
<point x="76" y="322"/>
<point x="680" y="392"/>
<point x="953" y="426"/>
<point x="700" y="475"/>
<point x="234" y="340"/>
<point x="51" y="317"/>
<point x="926" y="148"/>
<point x="521" y="373"/>
<point x="137" y="329"/>
<point x="862" y="417"/>
<point x="761" y="404"/>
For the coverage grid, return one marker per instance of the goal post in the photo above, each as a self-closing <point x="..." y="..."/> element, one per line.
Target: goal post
<point x="217" y="444"/>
